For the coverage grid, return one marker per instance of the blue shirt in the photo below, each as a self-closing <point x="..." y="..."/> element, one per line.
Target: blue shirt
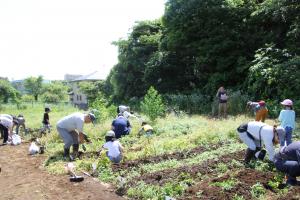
<point x="121" y="126"/>
<point x="287" y="118"/>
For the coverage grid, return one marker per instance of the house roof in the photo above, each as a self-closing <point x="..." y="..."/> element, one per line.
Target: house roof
<point x="95" y="76"/>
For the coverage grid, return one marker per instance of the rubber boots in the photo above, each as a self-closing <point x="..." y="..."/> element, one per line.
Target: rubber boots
<point x="75" y="152"/>
<point x="249" y="155"/>
<point x="66" y="153"/>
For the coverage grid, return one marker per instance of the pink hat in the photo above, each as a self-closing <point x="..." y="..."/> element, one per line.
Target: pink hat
<point x="262" y="103"/>
<point x="287" y="102"/>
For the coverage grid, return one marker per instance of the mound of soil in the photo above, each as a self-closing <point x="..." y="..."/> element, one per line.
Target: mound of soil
<point x="172" y="156"/>
<point x="245" y="180"/>
<point x="22" y="177"/>
<point x="207" y="167"/>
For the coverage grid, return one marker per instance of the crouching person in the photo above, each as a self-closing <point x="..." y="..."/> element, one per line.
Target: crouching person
<point x="69" y="127"/>
<point x="288" y="162"/>
<point x="114" y="147"/>
<point x="254" y="134"/>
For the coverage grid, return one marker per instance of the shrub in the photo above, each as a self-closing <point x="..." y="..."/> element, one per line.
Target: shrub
<point x="152" y="104"/>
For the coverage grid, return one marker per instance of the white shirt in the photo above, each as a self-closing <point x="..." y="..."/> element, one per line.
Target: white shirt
<point x="113" y="148"/>
<point x="266" y="136"/>
<point x="8" y="123"/>
<point x="7" y="116"/>
<point x="72" y="122"/>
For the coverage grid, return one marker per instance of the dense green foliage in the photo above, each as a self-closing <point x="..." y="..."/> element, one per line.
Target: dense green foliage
<point x="153" y="105"/>
<point x="7" y="91"/>
<point x="246" y="45"/>
<point x="33" y="85"/>
<point x="55" y="92"/>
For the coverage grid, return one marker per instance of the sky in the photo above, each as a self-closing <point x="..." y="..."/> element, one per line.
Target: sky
<point x="57" y="37"/>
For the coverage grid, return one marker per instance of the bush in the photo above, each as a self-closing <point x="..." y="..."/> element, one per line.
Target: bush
<point x="101" y="109"/>
<point x="152" y="104"/>
<point x="192" y="103"/>
<point x="236" y="103"/>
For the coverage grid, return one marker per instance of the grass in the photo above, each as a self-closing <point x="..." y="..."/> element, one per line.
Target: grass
<point x="172" y="134"/>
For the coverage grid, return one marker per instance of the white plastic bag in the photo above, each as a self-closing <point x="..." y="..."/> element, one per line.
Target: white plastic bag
<point x="15" y="139"/>
<point x="33" y="149"/>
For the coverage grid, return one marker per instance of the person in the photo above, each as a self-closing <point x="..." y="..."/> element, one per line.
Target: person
<point x="260" y="110"/>
<point x="21" y="122"/>
<point x="6" y="125"/>
<point x="222" y="98"/>
<point x="69" y="127"/>
<point x="122" y="108"/>
<point x="7" y="116"/>
<point x="287" y="160"/>
<point x="287" y="121"/>
<point x="114" y="147"/>
<point x="146" y="128"/>
<point x="46" y="121"/>
<point x="121" y="126"/>
<point x="253" y="134"/>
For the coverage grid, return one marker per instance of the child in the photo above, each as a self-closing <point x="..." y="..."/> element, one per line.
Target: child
<point x="46" y="122"/>
<point x="114" y="147"/>
<point x="287" y="121"/>
<point x="146" y="128"/>
<point x="259" y="109"/>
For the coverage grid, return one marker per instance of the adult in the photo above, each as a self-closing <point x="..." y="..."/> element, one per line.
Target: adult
<point x="121" y="126"/>
<point x="122" y="108"/>
<point x="222" y="98"/>
<point x="288" y="162"/>
<point x="254" y="134"/>
<point x="21" y="122"/>
<point x="69" y="129"/>
<point x="10" y="117"/>
<point x="6" y="125"/>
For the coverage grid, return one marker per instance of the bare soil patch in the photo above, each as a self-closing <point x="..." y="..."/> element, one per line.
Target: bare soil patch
<point x="23" y="177"/>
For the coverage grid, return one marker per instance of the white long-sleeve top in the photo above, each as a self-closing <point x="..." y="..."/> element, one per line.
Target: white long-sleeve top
<point x="266" y="133"/>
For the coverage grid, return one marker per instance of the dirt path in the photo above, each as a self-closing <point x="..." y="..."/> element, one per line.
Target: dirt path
<point x="22" y="177"/>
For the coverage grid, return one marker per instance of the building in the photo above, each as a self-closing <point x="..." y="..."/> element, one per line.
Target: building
<point x="77" y="98"/>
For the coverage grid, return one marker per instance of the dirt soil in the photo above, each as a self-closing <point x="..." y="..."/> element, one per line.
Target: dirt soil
<point x="245" y="179"/>
<point x="180" y="155"/>
<point x="207" y="167"/>
<point x="22" y="177"/>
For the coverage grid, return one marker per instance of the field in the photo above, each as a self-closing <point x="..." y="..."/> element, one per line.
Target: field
<point x="188" y="157"/>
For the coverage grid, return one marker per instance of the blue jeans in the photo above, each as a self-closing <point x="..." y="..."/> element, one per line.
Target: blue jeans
<point x="289" y="167"/>
<point x="288" y="136"/>
<point x="114" y="159"/>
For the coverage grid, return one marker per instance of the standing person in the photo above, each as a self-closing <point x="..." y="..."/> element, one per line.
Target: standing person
<point x="114" y="147"/>
<point x="6" y="125"/>
<point x="68" y="128"/>
<point x="287" y="119"/>
<point x="260" y="110"/>
<point x="254" y="134"/>
<point x="222" y="97"/>
<point x="46" y="121"/>
<point x="121" y="126"/>
<point x="288" y="162"/>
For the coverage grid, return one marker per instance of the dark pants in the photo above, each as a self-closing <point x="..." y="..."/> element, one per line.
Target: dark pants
<point x="290" y="167"/>
<point x="4" y="130"/>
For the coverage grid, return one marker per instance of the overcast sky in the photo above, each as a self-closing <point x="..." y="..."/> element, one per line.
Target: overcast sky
<point x="55" y="37"/>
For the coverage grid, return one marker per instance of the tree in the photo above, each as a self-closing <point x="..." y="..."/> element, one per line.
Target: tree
<point x="92" y="89"/>
<point x="7" y="91"/>
<point x="127" y="77"/>
<point x="33" y="86"/>
<point x="152" y="104"/>
<point x="54" y="92"/>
